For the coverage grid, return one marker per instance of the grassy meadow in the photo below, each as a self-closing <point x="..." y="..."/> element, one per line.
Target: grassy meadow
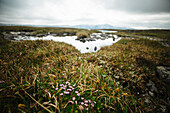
<point x="47" y="76"/>
<point x="155" y="33"/>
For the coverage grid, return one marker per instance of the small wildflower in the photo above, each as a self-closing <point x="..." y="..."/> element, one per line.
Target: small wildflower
<point x="82" y="103"/>
<point x="95" y="102"/>
<point x="86" y="101"/>
<point x="67" y="82"/>
<point x="78" y="94"/>
<point x="82" y="98"/>
<point x="86" y="105"/>
<point x="125" y="94"/>
<point x="69" y="89"/>
<point x="70" y="86"/>
<point x="97" y="81"/>
<point x="56" y="88"/>
<point x="92" y="104"/>
<point x="1" y="82"/>
<point x="53" y="76"/>
<point x="74" y="98"/>
<point x="89" y="101"/>
<point x="61" y="84"/>
<point x="74" y="85"/>
<point x="21" y="105"/>
<point x="61" y="93"/>
<point x="66" y="92"/>
<point x="117" y="89"/>
<point x="87" y="108"/>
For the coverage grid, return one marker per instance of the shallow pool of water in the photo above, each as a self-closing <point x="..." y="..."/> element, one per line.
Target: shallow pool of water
<point x="87" y="47"/>
<point x="106" y="31"/>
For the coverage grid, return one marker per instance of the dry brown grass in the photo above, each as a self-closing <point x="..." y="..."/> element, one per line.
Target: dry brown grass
<point x="83" y="34"/>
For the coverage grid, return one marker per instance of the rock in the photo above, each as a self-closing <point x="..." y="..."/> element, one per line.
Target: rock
<point x="65" y="34"/>
<point x="152" y="86"/>
<point x="9" y="37"/>
<point x="151" y="93"/>
<point x="82" y="40"/>
<point x="73" y="34"/>
<point x="147" y="100"/>
<point x="163" y="72"/>
<point x="91" y="39"/>
<point x="163" y="109"/>
<point x="41" y="35"/>
<point x="119" y="35"/>
<point x="54" y="34"/>
<point x="102" y="38"/>
<point x="95" y="48"/>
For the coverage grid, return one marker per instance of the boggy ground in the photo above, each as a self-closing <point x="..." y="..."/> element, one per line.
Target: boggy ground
<point x="46" y="76"/>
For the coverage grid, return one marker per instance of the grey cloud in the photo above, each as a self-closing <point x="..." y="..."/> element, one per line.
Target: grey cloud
<point x="13" y="11"/>
<point x="34" y="11"/>
<point x="138" y="6"/>
<point x="152" y="24"/>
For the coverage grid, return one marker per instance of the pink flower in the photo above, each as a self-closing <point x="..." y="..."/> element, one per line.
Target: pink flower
<point x="66" y="92"/>
<point x="56" y="88"/>
<point x="82" y="98"/>
<point x="74" y="98"/>
<point x="86" y="105"/>
<point x="87" y="108"/>
<point x="85" y="101"/>
<point x="89" y="101"/>
<point x="67" y="82"/>
<point x="70" y="86"/>
<point x="95" y="102"/>
<point x="78" y="94"/>
<point x="61" y="84"/>
<point x="1" y="82"/>
<point x="74" y="85"/>
<point x="69" y="89"/>
<point x="82" y="103"/>
<point x="61" y="93"/>
<point x="92" y="104"/>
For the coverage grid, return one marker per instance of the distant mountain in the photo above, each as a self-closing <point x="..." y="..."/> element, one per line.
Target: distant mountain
<point x="102" y="26"/>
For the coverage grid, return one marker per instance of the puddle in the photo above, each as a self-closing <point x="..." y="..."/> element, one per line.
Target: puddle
<point x="87" y="47"/>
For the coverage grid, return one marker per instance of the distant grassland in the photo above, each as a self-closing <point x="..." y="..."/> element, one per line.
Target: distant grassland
<point x="162" y="34"/>
<point x="39" y="30"/>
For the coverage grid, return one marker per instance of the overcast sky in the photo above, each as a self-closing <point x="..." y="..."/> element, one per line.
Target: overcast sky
<point x="122" y="13"/>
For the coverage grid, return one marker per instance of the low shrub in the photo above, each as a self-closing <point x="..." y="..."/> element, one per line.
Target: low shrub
<point x="83" y="34"/>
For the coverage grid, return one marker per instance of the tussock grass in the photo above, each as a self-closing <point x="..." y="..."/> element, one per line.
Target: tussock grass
<point x="83" y="34"/>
